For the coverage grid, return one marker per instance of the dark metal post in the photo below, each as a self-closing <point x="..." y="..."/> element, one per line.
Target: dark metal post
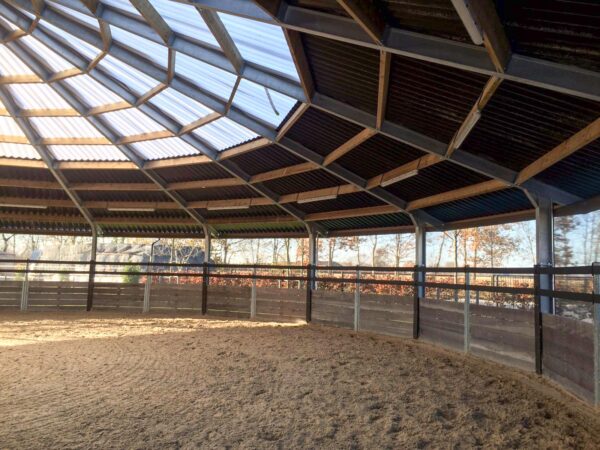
<point x="537" y="320"/>
<point x="309" y="282"/>
<point x="416" y="303"/>
<point x="92" y="273"/>
<point x="204" y="287"/>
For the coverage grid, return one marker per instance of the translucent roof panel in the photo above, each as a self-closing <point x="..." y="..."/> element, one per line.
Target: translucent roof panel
<point x="91" y="92"/>
<point x="82" y="47"/>
<point x="133" y="79"/>
<point x="261" y="43"/>
<point x="180" y="107"/>
<point x="73" y="14"/>
<point x="9" y="128"/>
<point x="164" y="148"/>
<point x="123" y="5"/>
<point x="262" y="103"/>
<point x="207" y="77"/>
<point x="224" y="133"/>
<point x="37" y="96"/>
<point x="64" y="127"/>
<point x="23" y="151"/>
<point x="131" y="122"/>
<point x="157" y="53"/>
<point x="11" y="65"/>
<point x="54" y="61"/>
<point x="185" y="20"/>
<point x="87" y="153"/>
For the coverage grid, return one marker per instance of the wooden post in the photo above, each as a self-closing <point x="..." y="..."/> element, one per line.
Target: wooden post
<point x="596" y="312"/>
<point x="357" y="301"/>
<point x="537" y="320"/>
<point x="204" y="287"/>
<point x="467" y="310"/>
<point x="309" y="281"/>
<point x="253" y="295"/>
<point x="416" y="301"/>
<point x="25" y="288"/>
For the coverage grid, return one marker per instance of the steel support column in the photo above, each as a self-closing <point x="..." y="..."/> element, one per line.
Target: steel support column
<point x="93" y="251"/>
<point x="544" y="238"/>
<point x="419" y="276"/>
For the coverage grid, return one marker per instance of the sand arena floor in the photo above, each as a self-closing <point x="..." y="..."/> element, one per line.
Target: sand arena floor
<point x="76" y="380"/>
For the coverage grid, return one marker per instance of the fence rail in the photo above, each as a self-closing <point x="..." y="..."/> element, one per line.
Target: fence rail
<point x="501" y="314"/>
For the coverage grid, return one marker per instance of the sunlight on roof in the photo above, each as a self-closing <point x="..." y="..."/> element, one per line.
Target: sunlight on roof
<point x="164" y="148"/>
<point x="9" y="128"/>
<point x="55" y="62"/>
<point x="129" y="122"/>
<point x="87" y="153"/>
<point x="21" y="151"/>
<point x="64" y="127"/>
<point x="37" y="96"/>
<point x="11" y="64"/>
<point x="91" y="92"/>
<point x="180" y="107"/>
<point x="224" y="133"/>
<point x="185" y="20"/>
<point x="264" y="104"/>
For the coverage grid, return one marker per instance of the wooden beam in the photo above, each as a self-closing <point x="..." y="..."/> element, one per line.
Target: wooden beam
<point x="283" y="172"/>
<point x="100" y="204"/>
<point x="420" y="163"/>
<point x="214" y="23"/>
<point x="291" y="121"/>
<point x="294" y="40"/>
<point x="144" y="137"/>
<point x="154" y="19"/>
<point x="75" y="141"/>
<point x="241" y="202"/>
<point x="146" y="220"/>
<point x="96" y="165"/>
<point x="108" y="108"/>
<point x="25" y="201"/>
<point x="382" y="93"/>
<point x="41" y="217"/>
<point x="356" y="212"/>
<point x="561" y="151"/>
<point x="474" y="114"/>
<point x="202" y="184"/>
<point x="114" y="187"/>
<point x="177" y="162"/>
<point x="198" y="123"/>
<point x="349" y="145"/>
<point x="366" y="15"/>
<point x="32" y="184"/>
<point x="457" y="194"/>
<point x="244" y="148"/>
<point x="494" y="37"/>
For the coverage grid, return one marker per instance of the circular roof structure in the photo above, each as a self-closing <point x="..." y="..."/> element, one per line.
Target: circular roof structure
<point x="263" y="118"/>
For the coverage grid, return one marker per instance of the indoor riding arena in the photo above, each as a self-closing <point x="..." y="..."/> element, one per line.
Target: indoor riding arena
<point x="342" y="224"/>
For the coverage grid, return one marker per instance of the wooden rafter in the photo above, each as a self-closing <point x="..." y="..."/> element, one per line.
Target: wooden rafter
<point x="366" y="15"/>
<point x="349" y="145"/>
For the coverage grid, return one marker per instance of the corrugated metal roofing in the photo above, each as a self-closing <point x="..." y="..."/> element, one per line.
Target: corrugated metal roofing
<point x="87" y="153"/>
<point x="348" y="201"/>
<point x="383" y="154"/>
<point x="164" y="148"/>
<point x="315" y="179"/>
<point x="208" y="171"/>
<point x="266" y="159"/>
<point x="220" y="193"/>
<point x="64" y="127"/>
<point x="343" y="71"/>
<point x="322" y="132"/>
<point x="104" y="176"/>
<point x="326" y="6"/>
<point x="25" y="192"/>
<point x="26" y="173"/>
<point x="509" y="200"/>
<point x="382" y="221"/>
<point x="224" y="133"/>
<point x="563" y="31"/>
<point x="441" y="177"/>
<point x="521" y="123"/>
<point x="23" y="151"/>
<point x="434" y="17"/>
<point x="254" y="211"/>
<point x="126" y="196"/>
<point x="429" y="98"/>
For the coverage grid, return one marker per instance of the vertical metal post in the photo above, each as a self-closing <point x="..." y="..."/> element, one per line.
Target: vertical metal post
<point x="313" y="255"/>
<point x="544" y="239"/>
<point x="253" y="295"/>
<point x="596" y="313"/>
<point x="419" y="276"/>
<point x="92" y="274"/>
<point x="147" y="292"/>
<point x="537" y="320"/>
<point x="309" y="282"/>
<point x="25" y="288"/>
<point x="357" y="301"/>
<point x="467" y="310"/>
<point x="204" y="287"/>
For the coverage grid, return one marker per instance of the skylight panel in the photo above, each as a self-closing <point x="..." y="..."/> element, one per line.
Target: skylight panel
<point x="75" y="15"/>
<point x="37" y="96"/>
<point x="54" y="61"/>
<point x="123" y="5"/>
<point x="11" y="65"/>
<point x="64" y="127"/>
<point x="264" y="104"/>
<point x="80" y="46"/>
<point x="224" y="133"/>
<point x="9" y="129"/>
<point x="131" y="122"/>
<point x="91" y="92"/>
<point x="207" y="77"/>
<point x="185" y="20"/>
<point x="164" y="148"/>
<point x="261" y="43"/>
<point x="157" y="53"/>
<point x="180" y="107"/>
<point x="87" y="153"/>
<point x="21" y="151"/>
<point x="135" y="80"/>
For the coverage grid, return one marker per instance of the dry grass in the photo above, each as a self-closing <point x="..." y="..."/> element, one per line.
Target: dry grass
<point x="77" y="380"/>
